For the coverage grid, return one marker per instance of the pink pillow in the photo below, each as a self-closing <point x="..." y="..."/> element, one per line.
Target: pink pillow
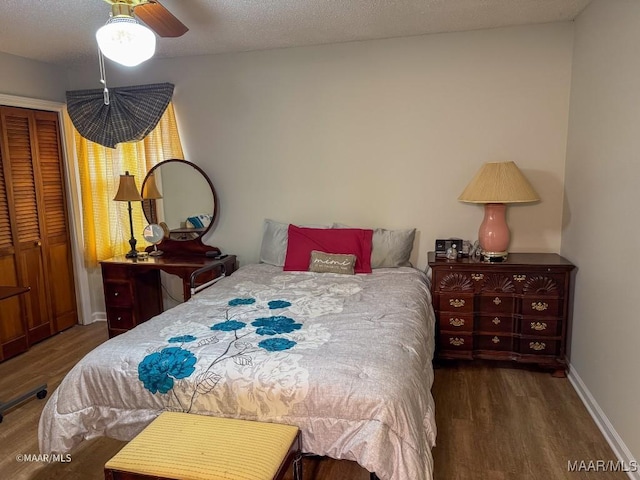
<point x="302" y="241"/>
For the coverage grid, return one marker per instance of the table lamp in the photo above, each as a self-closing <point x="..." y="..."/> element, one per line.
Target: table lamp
<point x="496" y="184"/>
<point x="128" y="192"/>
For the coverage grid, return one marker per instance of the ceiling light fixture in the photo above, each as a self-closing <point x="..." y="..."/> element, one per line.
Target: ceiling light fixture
<point x="123" y="40"/>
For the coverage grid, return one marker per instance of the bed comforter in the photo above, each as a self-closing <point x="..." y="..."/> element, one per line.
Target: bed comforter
<point x="345" y="358"/>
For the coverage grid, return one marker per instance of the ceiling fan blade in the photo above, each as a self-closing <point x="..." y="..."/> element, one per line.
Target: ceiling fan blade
<point x="160" y="20"/>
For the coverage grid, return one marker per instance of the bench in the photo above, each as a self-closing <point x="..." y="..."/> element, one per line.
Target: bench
<point x="199" y="447"/>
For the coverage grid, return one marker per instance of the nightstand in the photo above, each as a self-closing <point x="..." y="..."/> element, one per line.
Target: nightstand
<point x="516" y="310"/>
<point x="132" y="288"/>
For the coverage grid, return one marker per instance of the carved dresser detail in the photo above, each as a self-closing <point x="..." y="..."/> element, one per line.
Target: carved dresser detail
<point x="515" y="310"/>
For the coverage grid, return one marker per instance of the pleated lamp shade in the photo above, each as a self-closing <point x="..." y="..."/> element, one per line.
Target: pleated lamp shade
<point x="499" y="182"/>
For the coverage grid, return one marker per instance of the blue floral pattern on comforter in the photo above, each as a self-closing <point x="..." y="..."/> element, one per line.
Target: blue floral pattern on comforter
<point x="158" y="371"/>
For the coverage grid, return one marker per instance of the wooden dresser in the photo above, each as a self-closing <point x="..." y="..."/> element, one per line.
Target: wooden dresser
<point x="132" y="287"/>
<point x="515" y="310"/>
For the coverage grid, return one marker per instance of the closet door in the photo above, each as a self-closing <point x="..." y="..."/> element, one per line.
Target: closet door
<point x="35" y="246"/>
<point x="19" y="157"/>
<point x="57" y="244"/>
<point x="13" y="329"/>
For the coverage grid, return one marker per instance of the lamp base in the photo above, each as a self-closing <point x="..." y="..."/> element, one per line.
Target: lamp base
<point x="494" y="257"/>
<point x="133" y="253"/>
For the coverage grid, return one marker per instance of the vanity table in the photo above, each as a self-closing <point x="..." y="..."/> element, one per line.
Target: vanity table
<point x="133" y="290"/>
<point x="173" y="191"/>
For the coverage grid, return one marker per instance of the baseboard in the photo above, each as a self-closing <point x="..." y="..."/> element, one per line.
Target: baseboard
<point x="616" y="443"/>
<point x="98" y="317"/>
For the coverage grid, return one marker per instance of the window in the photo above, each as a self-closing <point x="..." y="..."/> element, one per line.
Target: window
<point x="105" y="223"/>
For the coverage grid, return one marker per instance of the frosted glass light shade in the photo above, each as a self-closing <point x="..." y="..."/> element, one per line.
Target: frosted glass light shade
<point x="125" y="41"/>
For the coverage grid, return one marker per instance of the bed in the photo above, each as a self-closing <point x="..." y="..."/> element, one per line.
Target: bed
<point x="347" y="358"/>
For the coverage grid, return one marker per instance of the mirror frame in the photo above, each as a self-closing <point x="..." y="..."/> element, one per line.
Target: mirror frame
<point x="190" y="246"/>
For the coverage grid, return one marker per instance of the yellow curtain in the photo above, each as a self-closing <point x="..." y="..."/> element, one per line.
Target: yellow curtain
<point x="105" y="223"/>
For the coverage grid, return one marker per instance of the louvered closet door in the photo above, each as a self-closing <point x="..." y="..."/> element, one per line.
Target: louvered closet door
<point x="13" y="329"/>
<point x="19" y="153"/>
<point x="58" y="260"/>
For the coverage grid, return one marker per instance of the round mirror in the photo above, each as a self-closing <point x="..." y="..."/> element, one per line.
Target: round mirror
<point x="179" y="194"/>
<point x="154" y="233"/>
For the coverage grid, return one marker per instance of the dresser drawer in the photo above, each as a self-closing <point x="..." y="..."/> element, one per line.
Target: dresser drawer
<point x="539" y="346"/>
<point x="118" y="294"/>
<point x="120" y="318"/>
<point x="542" y="283"/>
<point x="541" y="306"/>
<point x="453" y="322"/>
<point x="543" y="326"/>
<point x="456" y="302"/>
<point x="498" y="342"/>
<point x="496" y="303"/>
<point x="115" y="272"/>
<point x="495" y="323"/>
<point x="461" y="342"/>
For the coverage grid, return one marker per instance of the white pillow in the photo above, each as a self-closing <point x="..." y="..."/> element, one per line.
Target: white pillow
<point x="275" y="236"/>
<point x="390" y="248"/>
<point x="274" y="242"/>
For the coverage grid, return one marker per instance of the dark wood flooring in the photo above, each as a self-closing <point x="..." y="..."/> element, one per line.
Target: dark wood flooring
<point x="494" y="422"/>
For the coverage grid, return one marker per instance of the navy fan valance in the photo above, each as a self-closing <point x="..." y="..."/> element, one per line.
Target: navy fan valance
<point x="132" y="112"/>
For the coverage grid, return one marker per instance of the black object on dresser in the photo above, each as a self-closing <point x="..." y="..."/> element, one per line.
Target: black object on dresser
<point x="132" y="288"/>
<point x="514" y="310"/>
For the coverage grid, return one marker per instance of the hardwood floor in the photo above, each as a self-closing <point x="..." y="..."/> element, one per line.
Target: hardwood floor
<point x="494" y="422"/>
<point x="502" y="423"/>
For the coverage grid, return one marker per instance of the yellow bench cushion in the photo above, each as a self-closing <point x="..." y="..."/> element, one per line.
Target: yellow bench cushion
<point x="199" y="447"/>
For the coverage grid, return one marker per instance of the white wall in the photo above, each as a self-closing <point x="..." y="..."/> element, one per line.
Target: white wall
<point x="379" y="133"/>
<point x="601" y="211"/>
<point x="28" y="78"/>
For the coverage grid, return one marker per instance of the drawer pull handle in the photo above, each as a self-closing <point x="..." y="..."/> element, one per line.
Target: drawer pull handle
<point x="539" y="326"/>
<point x="519" y="278"/>
<point x="477" y="276"/>
<point x="539" y="306"/>
<point x="456" y="342"/>
<point x="496" y="321"/>
<point x="537" y="346"/>
<point x="497" y="301"/>
<point x="119" y="319"/>
<point x="116" y="294"/>
<point x="456" y="302"/>
<point x="495" y="340"/>
<point x="456" y="322"/>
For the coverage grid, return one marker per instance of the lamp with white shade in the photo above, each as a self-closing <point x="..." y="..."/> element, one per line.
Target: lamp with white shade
<point x="496" y="184"/>
<point x="124" y="40"/>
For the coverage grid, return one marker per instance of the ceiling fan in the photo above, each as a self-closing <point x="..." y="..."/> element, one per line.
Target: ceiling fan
<point x="125" y="41"/>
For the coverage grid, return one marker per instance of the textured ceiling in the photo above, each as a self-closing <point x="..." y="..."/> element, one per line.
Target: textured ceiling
<point x="62" y="31"/>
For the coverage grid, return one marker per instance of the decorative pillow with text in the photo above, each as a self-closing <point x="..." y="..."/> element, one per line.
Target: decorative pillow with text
<point x="322" y="262"/>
